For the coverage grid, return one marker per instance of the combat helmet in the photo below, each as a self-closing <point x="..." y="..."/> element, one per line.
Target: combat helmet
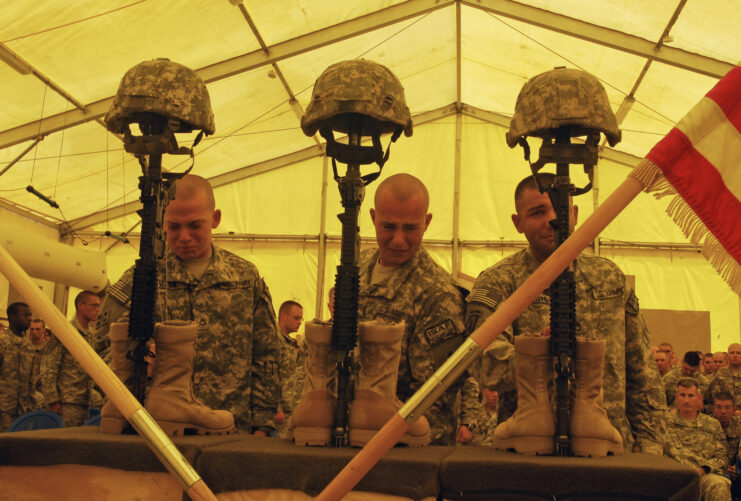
<point x="349" y="89"/>
<point x="562" y="97"/>
<point x="164" y="88"/>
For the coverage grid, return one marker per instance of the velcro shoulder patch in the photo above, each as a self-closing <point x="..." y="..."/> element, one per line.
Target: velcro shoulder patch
<point x="120" y="291"/>
<point x="440" y="332"/>
<point x="488" y="297"/>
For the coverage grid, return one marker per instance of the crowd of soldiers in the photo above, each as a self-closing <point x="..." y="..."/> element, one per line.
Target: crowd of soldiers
<point x="249" y="363"/>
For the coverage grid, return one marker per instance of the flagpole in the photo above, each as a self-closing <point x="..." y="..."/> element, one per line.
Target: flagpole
<point x="124" y="401"/>
<point x="505" y="314"/>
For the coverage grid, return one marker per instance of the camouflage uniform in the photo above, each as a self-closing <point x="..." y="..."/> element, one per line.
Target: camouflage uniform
<point x="726" y="380"/>
<point x="235" y="366"/>
<point x="699" y="442"/>
<point x="64" y="380"/>
<point x="605" y="308"/>
<point x="733" y="435"/>
<point x="20" y="361"/>
<point x="671" y="379"/>
<point x="424" y="296"/>
<point x="292" y="374"/>
<point x="474" y="412"/>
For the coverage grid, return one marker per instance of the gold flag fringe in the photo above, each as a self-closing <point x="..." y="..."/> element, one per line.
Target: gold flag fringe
<point x="650" y="176"/>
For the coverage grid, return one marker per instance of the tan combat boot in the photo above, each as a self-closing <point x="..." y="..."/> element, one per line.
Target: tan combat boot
<point x="312" y="421"/>
<point x="111" y="420"/>
<point x="531" y="428"/>
<point x="375" y="391"/>
<point x="170" y="399"/>
<point x="590" y="430"/>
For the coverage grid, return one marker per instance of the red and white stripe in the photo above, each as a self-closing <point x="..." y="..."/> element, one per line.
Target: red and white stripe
<point x="701" y="158"/>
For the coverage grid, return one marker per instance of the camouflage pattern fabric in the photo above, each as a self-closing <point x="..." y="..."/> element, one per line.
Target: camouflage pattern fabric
<point x="475" y="411"/>
<point x="358" y="86"/>
<point x="62" y="377"/>
<point x="560" y="97"/>
<point x="671" y="379"/>
<point x="236" y="361"/>
<point x="470" y="399"/>
<point x="163" y="87"/>
<point x="699" y="442"/>
<point x="424" y="296"/>
<point x="605" y="308"/>
<point x="20" y="362"/>
<point x="733" y="436"/>
<point x="292" y="374"/>
<point x="726" y="380"/>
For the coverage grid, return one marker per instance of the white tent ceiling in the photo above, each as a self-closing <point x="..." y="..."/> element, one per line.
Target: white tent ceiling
<point x="261" y="58"/>
<point x="462" y="64"/>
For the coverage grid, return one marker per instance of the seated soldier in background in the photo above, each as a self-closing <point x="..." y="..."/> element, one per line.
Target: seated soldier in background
<point x="690" y="368"/>
<point x="662" y="362"/>
<point x="721" y="359"/>
<point x="728" y="378"/>
<point x="723" y="411"/>
<point x="669" y="350"/>
<point x="708" y="365"/>
<point x="697" y="440"/>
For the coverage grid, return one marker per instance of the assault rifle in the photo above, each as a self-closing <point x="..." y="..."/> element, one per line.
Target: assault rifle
<point x="557" y="148"/>
<point x="347" y="279"/>
<point x="157" y="189"/>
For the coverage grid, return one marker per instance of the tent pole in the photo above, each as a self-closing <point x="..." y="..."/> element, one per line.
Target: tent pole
<point x="457" y="195"/>
<point x="458" y="134"/>
<point x="322" y="249"/>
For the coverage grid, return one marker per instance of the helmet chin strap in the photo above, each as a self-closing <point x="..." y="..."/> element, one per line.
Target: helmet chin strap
<point x="359" y="155"/>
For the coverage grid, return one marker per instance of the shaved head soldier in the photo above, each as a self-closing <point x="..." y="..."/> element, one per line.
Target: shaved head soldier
<point x="236" y="349"/>
<point x="399" y="281"/>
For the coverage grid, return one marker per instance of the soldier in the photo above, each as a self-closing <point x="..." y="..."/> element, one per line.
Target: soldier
<point x="399" y="281"/>
<point x="708" y="365"/>
<point x="606" y="308"/>
<point x="67" y="388"/>
<point x="37" y="336"/>
<point x="235" y="366"/>
<point x="18" y="366"/>
<point x="697" y="440"/>
<point x="669" y="350"/>
<point x="723" y="411"/>
<point x="728" y="378"/>
<point x="690" y="368"/>
<point x="478" y="414"/>
<point x="291" y="362"/>
<point x="662" y="362"/>
<point x="721" y="359"/>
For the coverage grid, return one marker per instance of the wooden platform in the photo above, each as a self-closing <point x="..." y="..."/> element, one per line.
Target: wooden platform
<point x="82" y="463"/>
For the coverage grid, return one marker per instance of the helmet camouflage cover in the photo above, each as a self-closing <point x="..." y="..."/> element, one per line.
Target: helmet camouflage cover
<point x="562" y="97"/>
<point x="165" y="88"/>
<point x="357" y="86"/>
